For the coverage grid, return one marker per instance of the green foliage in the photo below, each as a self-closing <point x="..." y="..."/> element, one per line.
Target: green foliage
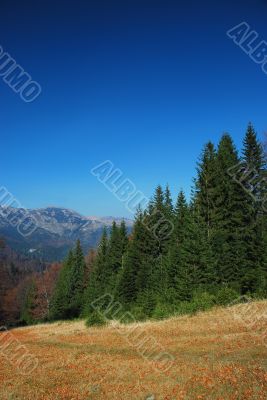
<point x="186" y="308"/>
<point x="226" y="295"/>
<point x="26" y="316"/>
<point x="205" y="188"/>
<point x="180" y="259"/>
<point x="136" y="267"/>
<point x="99" y="276"/>
<point x="67" y="300"/>
<point x="146" y="300"/>
<point x="201" y="301"/>
<point x="95" y="319"/>
<point x="138" y="313"/>
<point x="61" y="297"/>
<point x="162" y="310"/>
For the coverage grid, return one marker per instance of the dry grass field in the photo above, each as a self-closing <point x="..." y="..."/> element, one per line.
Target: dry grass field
<point x="221" y="354"/>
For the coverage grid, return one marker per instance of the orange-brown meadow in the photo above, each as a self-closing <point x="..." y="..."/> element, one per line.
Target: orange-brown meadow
<point x="216" y="356"/>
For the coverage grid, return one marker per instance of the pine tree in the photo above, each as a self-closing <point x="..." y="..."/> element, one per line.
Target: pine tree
<point x="205" y="186"/>
<point x="100" y="275"/>
<point x="253" y="153"/>
<point x="178" y="237"/>
<point x="228" y="250"/>
<point x="168" y="206"/>
<point x="190" y="260"/>
<point x="123" y="237"/>
<point x="263" y="222"/>
<point x="76" y="281"/>
<point x="68" y="297"/>
<point x="168" y="212"/>
<point x="89" y="262"/>
<point x="117" y="246"/>
<point x="198" y="252"/>
<point x="116" y="249"/>
<point x="60" y="302"/>
<point x="158" y="220"/>
<point x="137" y="266"/>
<point x="254" y="183"/>
<point x="26" y="316"/>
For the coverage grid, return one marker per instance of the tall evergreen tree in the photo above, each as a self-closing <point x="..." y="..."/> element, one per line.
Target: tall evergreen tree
<point x="100" y="275"/>
<point x="115" y="249"/>
<point x="67" y="300"/>
<point x="26" y="316"/>
<point x="190" y="260"/>
<point x="178" y="236"/>
<point x="168" y="206"/>
<point x="253" y="152"/>
<point x="158" y="220"/>
<point x="137" y="266"/>
<point x="123" y="237"/>
<point x="61" y="299"/>
<point x="205" y="186"/>
<point x="228" y="250"/>
<point x="254" y="182"/>
<point x="76" y="281"/>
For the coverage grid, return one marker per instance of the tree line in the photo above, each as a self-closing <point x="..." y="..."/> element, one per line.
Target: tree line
<point x="209" y="250"/>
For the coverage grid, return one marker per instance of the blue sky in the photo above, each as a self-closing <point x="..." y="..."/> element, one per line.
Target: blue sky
<point x="144" y="84"/>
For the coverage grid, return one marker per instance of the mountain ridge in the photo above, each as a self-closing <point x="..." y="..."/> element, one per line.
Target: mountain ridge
<point x="56" y="230"/>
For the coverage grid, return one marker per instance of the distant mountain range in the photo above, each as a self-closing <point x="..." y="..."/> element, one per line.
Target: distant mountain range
<point x="56" y="232"/>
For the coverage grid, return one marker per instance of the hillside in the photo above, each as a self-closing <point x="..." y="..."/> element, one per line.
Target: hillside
<point x="15" y="270"/>
<point x="56" y="231"/>
<point x="218" y="355"/>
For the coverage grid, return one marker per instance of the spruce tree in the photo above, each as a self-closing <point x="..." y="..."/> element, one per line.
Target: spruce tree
<point x="117" y="246"/>
<point x="205" y="185"/>
<point x="190" y="259"/>
<point x="76" y="281"/>
<point x="254" y="182"/>
<point x="168" y="206"/>
<point x="123" y="237"/>
<point x="158" y="220"/>
<point x="233" y="218"/>
<point x="116" y="249"/>
<point x="62" y="296"/>
<point x="137" y="266"/>
<point x="26" y="316"/>
<point x="178" y="237"/>
<point x="100" y="276"/>
<point x="253" y="153"/>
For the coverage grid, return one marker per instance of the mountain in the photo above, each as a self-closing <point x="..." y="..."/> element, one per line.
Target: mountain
<point x="56" y="230"/>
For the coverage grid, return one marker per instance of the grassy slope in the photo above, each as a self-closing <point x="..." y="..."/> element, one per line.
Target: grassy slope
<point x="217" y="356"/>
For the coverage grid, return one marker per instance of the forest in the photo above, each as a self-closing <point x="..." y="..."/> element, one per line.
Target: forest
<point x="181" y="256"/>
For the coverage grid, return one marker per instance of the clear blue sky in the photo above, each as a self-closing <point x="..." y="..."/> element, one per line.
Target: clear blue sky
<point x="142" y="83"/>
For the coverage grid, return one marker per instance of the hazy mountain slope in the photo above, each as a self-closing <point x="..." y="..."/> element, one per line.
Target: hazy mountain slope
<point x="56" y="232"/>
